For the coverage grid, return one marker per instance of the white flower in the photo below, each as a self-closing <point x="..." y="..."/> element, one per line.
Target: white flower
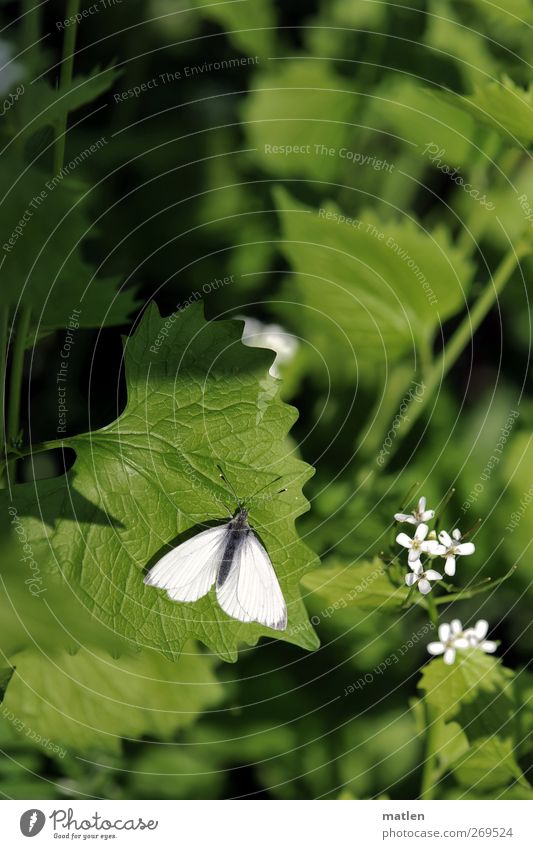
<point x="476" y="637"/>
<point x="452" y="548"/>
<point x="451" y="638"/>
<point x="272" y="336"/>
<point x="417" y="545"/>
<point x="421" y="577"/>
<point x="420" y="514"/>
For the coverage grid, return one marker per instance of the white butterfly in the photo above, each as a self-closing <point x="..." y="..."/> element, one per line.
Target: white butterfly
<point x="230" y="555"/>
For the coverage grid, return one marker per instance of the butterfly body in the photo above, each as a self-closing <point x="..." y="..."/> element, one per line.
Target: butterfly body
<point x="238" y="530"/>
<point x="232" y="558"/>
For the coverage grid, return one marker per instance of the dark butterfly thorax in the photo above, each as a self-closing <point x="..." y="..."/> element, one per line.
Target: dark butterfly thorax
<point x="238" y="530"/>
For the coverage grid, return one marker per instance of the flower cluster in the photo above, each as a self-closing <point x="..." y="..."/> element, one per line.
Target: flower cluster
<point x="426" y="543"/>
<point x="452" y="637"/>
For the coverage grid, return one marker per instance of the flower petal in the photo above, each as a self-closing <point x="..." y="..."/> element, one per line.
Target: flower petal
<point x="432" y="575"/>
<point x="427" y="515"/>
<point x="411" y="578"/>
<point x="421" y="532"/>
<point x="449" y="566"/>
<point x="424" y="586"/>
<point x="413" y="556"/>
<point x="461" y="643"/>
<point x="488" y="646"/>
<point x="445" y="539"/>
<point x="465" y="548"/>
<point x="481" y="629"/>
<point x="416" y="566"/>
<point x="456" y="534"/>
<point x="404" y="517"/>
<point x="403" y="539"/>
<point x="421" y="504"/>
<point x="435" y="648"/>
<point x="432" y="547"/>
<point x="449" y="656"/>
<point x="444" y="632"/>
<point x="456" y="626"/>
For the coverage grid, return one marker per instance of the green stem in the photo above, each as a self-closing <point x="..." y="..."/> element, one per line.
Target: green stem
<point x="65" y="78"/>
<point x="15" y="388"/>
<point x="432" y="609"/>
<point x="31" y="23"/>
<point x="429" y="770"/>
<point x="457" y="343"/>
<point x="15" y="454"/>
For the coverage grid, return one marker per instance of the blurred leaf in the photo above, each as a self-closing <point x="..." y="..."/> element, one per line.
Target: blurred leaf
<point x="367" y="293"/>
<point x="89" y="701"/>
<point x="299" y="103"/>
<point x="363" y="585"/>
<point x="471" y="49"/>
<point x="43" y="105"/>
<point x="504" y="106"/>
<point x="5" y="678"/>
<point x="477" y="692"/>
<point x="196" y="397"/>
<point x="43" y="266"/>
<point x="250" y="25"/>
<point x="448" y="688"/>
<point x="420" y="119"/>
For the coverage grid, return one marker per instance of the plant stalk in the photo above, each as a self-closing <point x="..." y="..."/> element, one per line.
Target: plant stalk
<point x="15" y="388"/>
<point x="429" y="770"/>
<point x="65" y="78"/>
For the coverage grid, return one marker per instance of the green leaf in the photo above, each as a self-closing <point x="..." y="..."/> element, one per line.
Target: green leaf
<point x="90" y="701"/>
<point x="367" y="290"/>
<point x="299" y="104"/>
<point x="448" y="688"/>
<point x="366" y="586"/>
<point x="476" y="691"/>
<point x="250" y="26"/>
<point x="43" y="225"/>
<point x="43" y="106"/>
<point x="419" y="119"/>
<point x="196" y="397"/>
<point x="502" y="105"/>
<point x="5" y="677"/>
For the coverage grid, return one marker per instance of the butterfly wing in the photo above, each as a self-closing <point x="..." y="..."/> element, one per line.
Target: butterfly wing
<point x="188" y="571"/>
<point x="251" y="592"/>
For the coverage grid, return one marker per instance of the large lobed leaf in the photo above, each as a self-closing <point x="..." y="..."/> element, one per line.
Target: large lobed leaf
<point x="90" y="701"/>
<point x="196" y="397"/>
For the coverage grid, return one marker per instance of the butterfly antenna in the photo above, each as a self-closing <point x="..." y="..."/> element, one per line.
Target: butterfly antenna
<point x="226" y="481"/>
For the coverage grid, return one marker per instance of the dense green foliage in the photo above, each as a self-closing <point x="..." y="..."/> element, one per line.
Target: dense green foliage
<point x="357" y="175"/>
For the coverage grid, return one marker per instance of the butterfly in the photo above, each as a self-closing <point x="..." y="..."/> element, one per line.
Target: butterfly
<point x="231" y="557"/>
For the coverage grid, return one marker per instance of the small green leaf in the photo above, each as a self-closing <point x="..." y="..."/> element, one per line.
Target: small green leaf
<point x="448" y="688"/>
<point x="502" y="105"/>
<point x="43" y="106"/>
<point x="196" y="397"/>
